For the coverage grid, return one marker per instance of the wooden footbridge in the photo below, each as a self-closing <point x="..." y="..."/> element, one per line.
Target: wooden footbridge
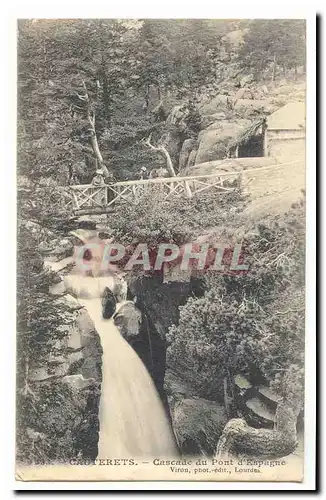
<point x="260" y="181"/>
<point x="90" y="199"/>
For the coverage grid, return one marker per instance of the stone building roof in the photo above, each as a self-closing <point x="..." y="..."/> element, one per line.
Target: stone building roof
<point x="289" y="117"/>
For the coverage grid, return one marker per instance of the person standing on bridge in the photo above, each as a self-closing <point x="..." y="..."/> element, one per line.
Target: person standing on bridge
<point x="98" y="179"/>
<point x="97" y="182"/>
<point x="143" y="174"/>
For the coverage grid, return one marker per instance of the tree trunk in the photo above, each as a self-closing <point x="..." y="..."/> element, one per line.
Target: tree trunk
<point x="274" y="68"/>
<point x="229" y="393"/>
<point x="92" y="130"/>
<point x="231" y="386"/>
<point x="162" y="149"/>
<point x="226" y="397"/>
<point x="106" y="96"/>
<point x="26" y="372"/>
<point x="171" y="170"/>
<point x="26" y="389"/>
<point x="169" y="164"/>
<point x="159" y="92"/>
<point x="147" y="98"/>
<point x="97" y="153"/>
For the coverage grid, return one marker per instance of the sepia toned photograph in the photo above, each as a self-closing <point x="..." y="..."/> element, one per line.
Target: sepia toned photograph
<point x="161" y="226"/>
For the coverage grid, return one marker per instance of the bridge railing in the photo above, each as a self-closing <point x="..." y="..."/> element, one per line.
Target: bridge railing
<point x="88" y="196"/>
<point x="96" y="199"/>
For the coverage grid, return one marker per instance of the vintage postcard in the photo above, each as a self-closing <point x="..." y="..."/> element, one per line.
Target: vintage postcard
<point x="161" y="250"/>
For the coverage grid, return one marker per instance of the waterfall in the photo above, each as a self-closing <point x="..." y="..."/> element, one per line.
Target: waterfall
<point x="132" y="418"/>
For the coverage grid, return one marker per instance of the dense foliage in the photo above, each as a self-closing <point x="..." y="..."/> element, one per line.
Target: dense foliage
<point x="132" y="72"/>
<point x="89" y="92"/>
<point x="253" y="319"/>
<point x="37" y="336"/>
<point x="127" y="68"/>
<point x="269" y="44"/>
<point x="175" y="220"/>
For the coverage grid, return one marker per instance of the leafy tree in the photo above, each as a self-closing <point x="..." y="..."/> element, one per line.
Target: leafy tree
<point x="70" y="80"/>
<point x="37" y="335"/>
<point x="178" y="55"/>
<point x="89" y="91"/>
<point x="173" y="220"/>
<point x="248" y="319"/>
<point x="86" y="88"/>
<point x="214" y="332"/>
<point x="272" y="43"/>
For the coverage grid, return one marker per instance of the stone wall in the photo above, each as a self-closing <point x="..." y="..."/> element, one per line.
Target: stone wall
<point x="286" y="144"/>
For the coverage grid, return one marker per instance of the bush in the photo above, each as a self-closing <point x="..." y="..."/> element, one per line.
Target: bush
<point x="255" y="318"/>
<point x="175" y="220"/>
<point x="39" y="327"/>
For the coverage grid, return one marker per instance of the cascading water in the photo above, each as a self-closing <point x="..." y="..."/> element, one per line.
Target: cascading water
<point x="132" y="418"/>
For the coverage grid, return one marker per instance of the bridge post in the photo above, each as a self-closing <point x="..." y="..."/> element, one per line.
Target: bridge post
<point x="187" y="190"/>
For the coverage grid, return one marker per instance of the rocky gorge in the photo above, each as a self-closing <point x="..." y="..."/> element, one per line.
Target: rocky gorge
<point x="219" y="355"/>
<point x="71" y="379"/>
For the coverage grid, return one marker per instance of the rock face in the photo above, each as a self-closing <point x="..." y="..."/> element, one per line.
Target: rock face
<point x="128" y="320"/>
<point x="198" y="425"/>
<point x="109" y="303"/>
<point x="137" y="328"/>
<point x="197" y="422"/>
<point x="215" y="139"/>
<point x="228" y="113"/>
<point x="239" y="438"/>
<point x="68" y="388"/>
<point x="158" y="303"/>
<point x="231" y="165"/>
<point x="174" y="136"/>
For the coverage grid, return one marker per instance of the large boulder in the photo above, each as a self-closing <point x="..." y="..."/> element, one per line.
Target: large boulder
<point x="68" y="302"/>
<point x="78" y="382"/>
<point x="240" y="438"/>
<point x="247" y="106"/>
<point x="128" y="319"/>
<point x="214" y="105"/>
<point x="109" y="303"/>
<point x="57" y="248"/>
<point x="215" y="139"/>
<point x="91" y="346"/>
<point x="198" y="425"/>
<point x="207" y="120"/>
